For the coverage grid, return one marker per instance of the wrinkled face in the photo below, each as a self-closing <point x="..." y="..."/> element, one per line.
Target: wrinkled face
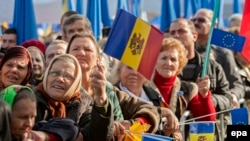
<point x="23" y="116"/>
<point x="167" y="63"/>
<point x="60" y="78"/>
<point x="85" y="51"/>
<point x="130" y="78"/>
<point x="77" y="27"/>
<point x="202" y="22"/>
<point x="14" y="71"/>
<point x="182" y="32"/>
<point x="38" y="64"/>
<point x="53" y="51"/>
<point x="9" y="40"/>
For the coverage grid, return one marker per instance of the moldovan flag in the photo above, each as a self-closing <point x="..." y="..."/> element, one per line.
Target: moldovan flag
<point x="202" y="131"/>
<point x="134" y="42"/>
<point x="244" y="31"/>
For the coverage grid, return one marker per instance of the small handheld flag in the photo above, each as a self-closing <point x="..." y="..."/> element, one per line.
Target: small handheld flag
<point x="202" y="131"/>
<point x="239" y="116"/>
<point x="135" y="42"/>
<point x="227" y="40"/>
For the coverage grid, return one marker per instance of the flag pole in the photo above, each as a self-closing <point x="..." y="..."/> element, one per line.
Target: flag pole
<point x="208" y="47"/>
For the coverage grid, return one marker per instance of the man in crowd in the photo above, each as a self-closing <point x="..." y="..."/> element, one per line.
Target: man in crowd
<point x="9" y="39"/>
<point x="202" y="21"/>
<point x="184" y="31"/>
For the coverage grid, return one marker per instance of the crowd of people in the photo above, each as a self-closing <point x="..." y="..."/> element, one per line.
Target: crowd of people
<point x="69" y="90"/>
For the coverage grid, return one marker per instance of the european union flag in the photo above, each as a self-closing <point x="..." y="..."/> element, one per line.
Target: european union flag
<point x="239" y="116"/>
<point x="227" y="40"/>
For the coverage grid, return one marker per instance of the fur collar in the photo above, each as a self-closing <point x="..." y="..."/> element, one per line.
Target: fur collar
<point x="189" y="90"/>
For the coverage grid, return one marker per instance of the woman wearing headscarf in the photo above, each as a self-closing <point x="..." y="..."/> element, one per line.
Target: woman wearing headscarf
<point x="20" y="119"/>
<point x="59" y="96"/>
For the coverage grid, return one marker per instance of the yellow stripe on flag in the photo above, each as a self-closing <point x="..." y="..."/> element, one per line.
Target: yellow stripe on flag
<point x="201" y="137"/>
<point x="65" y="6"/>
<point x="136" y="44"/>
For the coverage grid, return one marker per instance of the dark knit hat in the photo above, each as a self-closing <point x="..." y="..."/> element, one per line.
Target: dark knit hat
<point x="35" y="43"/>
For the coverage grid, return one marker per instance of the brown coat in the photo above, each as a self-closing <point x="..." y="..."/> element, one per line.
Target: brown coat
<point x="133" y="108"/>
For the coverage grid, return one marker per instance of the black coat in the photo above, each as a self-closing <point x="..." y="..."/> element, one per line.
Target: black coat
<point x="94" y="126"/>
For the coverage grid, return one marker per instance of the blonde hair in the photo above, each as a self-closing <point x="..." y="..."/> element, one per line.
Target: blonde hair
<point x="76" y="85"/>
<point x="171" y="43"/>
<point x="34" y="49"/>
<point x="56" y="42"/>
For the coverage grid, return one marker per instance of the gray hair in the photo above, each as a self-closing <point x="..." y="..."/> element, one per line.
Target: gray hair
<point x="235" y="17"/>
<point x="71" y="19"/>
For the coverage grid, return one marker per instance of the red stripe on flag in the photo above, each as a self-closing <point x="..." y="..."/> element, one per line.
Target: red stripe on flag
<point x="151" y="51"/>
<point x="245" y="31"/>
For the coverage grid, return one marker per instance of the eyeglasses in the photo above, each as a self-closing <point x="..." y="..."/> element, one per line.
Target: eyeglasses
<point x="57" y="74"/>
<point x="200" y="20"/>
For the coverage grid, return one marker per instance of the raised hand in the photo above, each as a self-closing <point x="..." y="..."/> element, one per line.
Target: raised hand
<point x="98" y="83"/>
<point x="203" y="85"/>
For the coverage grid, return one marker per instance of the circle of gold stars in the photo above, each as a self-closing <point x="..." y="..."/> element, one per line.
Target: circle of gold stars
<point x="232" y="40"/>
<point x="241" y="123"/>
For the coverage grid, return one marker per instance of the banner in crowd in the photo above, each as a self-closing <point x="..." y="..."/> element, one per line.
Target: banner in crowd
<point x="135" y="42"/>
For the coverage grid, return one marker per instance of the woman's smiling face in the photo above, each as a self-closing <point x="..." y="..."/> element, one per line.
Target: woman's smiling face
<point x="60" y="78"/>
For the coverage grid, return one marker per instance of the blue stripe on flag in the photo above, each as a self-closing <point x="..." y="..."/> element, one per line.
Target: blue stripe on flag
<point x="202" y="127"/>
<point x="120" y="33"/>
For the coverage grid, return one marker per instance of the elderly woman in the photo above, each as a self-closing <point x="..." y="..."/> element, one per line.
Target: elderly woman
<point x="134" y="84"/>
<point x="59" y="96"/>
<point x="15" y="69"/>
<point x="179" y="95"/>
<point x="38" y="62"/>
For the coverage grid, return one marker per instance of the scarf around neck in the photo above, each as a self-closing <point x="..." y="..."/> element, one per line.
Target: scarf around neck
<point x="57" y="108"/>
<point x="165" y="85"/>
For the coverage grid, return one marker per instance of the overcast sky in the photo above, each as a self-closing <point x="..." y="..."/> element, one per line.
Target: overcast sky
<point x="50" y="10"/>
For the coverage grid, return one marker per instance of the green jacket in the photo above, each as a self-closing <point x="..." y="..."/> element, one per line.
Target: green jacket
<point x="113" y="100"/>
